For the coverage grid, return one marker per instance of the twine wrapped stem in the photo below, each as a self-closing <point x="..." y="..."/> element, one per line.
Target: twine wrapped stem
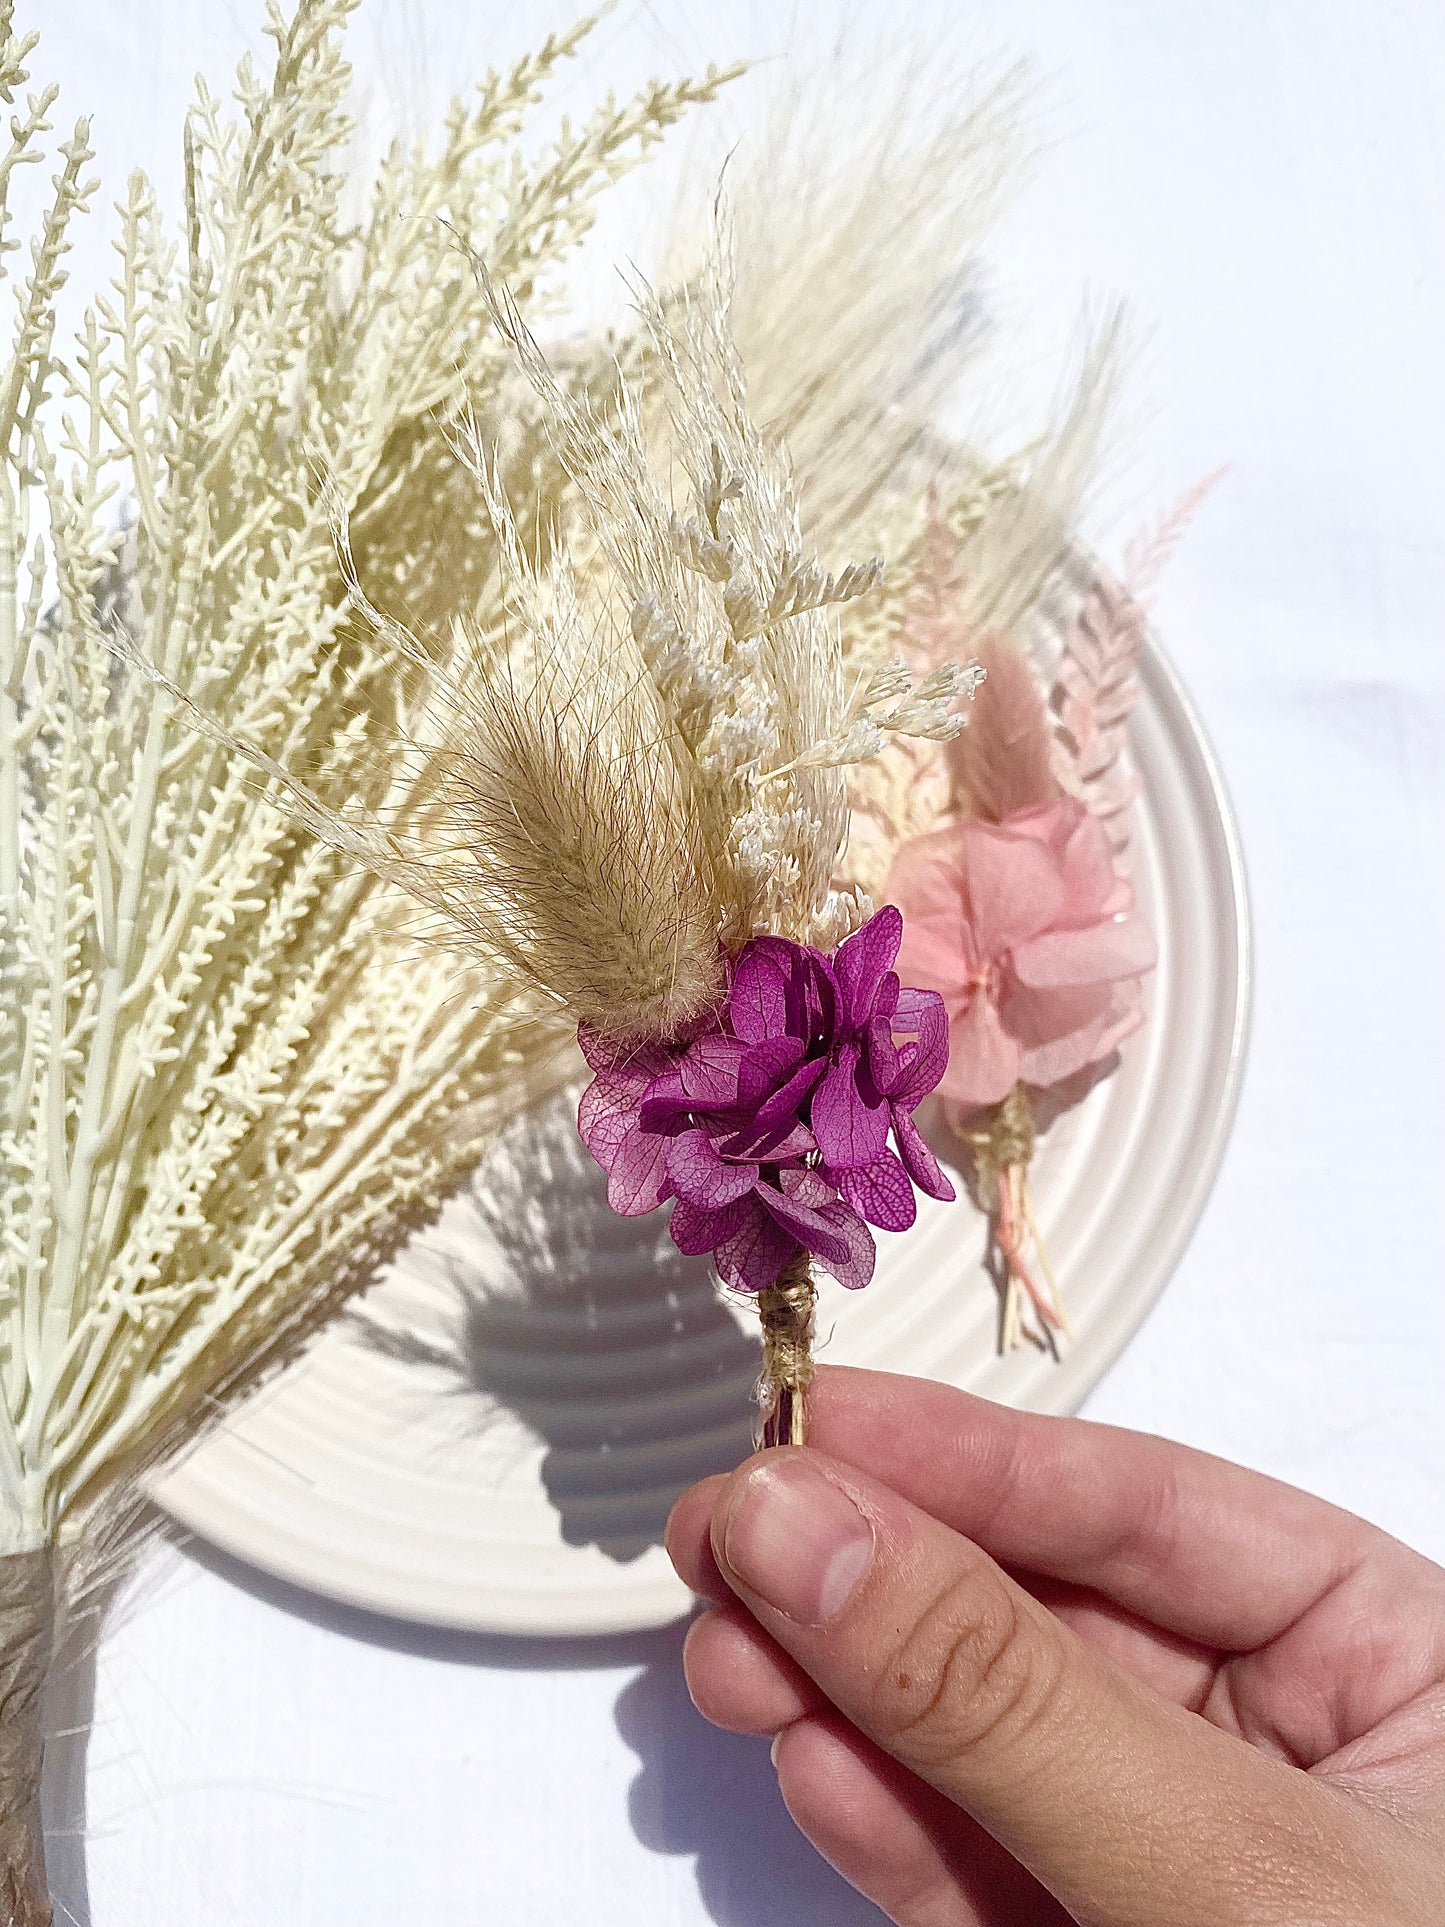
<point x="1003" y="1149"/>
<point x="786" y="1312"/>
<point x="27" y="1621"/>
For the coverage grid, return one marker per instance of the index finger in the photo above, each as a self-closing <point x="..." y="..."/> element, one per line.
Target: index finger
<point x="1218" y="1554"/>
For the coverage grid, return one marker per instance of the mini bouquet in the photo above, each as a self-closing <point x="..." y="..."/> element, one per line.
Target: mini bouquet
<point x="1019" y="912"/>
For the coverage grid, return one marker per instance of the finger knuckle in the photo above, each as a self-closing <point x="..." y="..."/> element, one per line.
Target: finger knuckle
<point x="964" y="1673"/>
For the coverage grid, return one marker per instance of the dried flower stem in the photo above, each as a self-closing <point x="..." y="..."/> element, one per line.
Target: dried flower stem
<point x="785" y="1311"/>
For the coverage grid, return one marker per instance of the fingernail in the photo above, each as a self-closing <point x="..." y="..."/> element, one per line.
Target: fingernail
<point x="773" y="1749"/>
<point x="797" y="1540"/>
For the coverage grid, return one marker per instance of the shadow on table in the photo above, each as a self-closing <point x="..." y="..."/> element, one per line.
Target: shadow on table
<point x="697" y="1791"/>
<point x="534" y="1299"/>
<point x="714" y="1795"/>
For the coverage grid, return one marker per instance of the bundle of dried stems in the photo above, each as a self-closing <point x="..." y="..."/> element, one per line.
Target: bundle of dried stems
<point x="228" y="1088"/>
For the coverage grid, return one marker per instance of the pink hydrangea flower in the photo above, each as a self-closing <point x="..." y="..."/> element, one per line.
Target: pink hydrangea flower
<point x="1030" y="938"/>
<point x="770" y="1128"/>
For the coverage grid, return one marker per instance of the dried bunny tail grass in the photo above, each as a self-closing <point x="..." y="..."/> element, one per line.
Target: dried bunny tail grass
<point x="586" y="874"/>
<point x="856" y="215"/>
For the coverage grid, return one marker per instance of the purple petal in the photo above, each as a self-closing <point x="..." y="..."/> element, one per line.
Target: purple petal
<point x="726" y="1073"/>
<point x="608" y="1110"/>
<point x="811" y="1226"/>
<point x="638" y="1180"/>
<point x="923" y="1013"/>
<point x="784" y="1144"/>
<point x="699" y="1175"/>
<point x="664" y="1103"/>
<point x="850" y="1129"/>
<point x="605" y="1053"/>
<point x="813" y="1008"/>
<point x="860" y="964"/>
<point x="882" y="1193"/>
<point x="808" y="1187"/>
<point x="885" y="998"/>
<point x="696" y="1231"/>
<point x="753" y="1256"/>
<point x="886" y="1063"/>
<point x="769" y="1063"/>
<point x="787" y="1101"/>
<point x="918" y="1159"/>
<point x="711" y="1068"/>
<point x="856" y="1268"/>
<point x="758" y="1000"/>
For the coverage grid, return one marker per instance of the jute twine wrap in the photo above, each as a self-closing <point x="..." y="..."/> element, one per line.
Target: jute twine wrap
<point x="1006" y="1142"/>
<point x="786" y="1311"/>
<point x="27" y="1620"/>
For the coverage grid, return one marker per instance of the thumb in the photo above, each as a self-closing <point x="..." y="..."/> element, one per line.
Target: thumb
<point x="1131" y="1811"/>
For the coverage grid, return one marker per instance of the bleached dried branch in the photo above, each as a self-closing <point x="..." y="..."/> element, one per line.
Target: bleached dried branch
<point x="234" y="1083"/>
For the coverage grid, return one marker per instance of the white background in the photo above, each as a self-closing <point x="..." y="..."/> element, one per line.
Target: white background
<point x="1265" y="179"/>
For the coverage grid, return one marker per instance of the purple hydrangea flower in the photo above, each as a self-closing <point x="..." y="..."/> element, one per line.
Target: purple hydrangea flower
<point x="770" y="1128"/>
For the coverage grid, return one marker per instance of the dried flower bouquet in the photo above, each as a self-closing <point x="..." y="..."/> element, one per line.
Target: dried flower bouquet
<point x="612" y="753"/>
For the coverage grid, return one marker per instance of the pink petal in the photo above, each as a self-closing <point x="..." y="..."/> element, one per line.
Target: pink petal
<point x="1012" y="884"/>
<point x="984" y="1062"/>
<point x="881" y="1193"/>
<point x="1036" y="1017"/>
<point x="860" y="963"/>
<point x="699" y="1175"/>
<point x="1098" y="953"/>
<point x="1054" y="1059"/>
<point x="1086" y="865"/>
<point x="926" y="883"/>
<point x="850" y="1130"/>
<point x="918" y="1159"/>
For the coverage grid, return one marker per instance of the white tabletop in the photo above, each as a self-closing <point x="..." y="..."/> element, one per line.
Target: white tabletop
<point x="1267" y="183"/>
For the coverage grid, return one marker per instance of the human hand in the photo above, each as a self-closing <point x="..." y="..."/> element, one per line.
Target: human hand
<point x="1025" y="1671"/>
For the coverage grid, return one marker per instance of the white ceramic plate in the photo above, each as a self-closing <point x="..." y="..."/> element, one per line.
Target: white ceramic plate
<point x="493" y="1438"/>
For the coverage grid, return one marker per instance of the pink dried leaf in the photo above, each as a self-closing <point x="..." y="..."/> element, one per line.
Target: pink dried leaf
<point x="1096" y="685"/>
<point x="1148" y="555"/>
<point x="931" y="631"/>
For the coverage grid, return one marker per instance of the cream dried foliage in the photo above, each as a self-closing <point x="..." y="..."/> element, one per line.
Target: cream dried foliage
<point x="640" y="764"/>
<point x="857" y="210"/>
<point x="858" y="213"/>
<point x="222" y="1099"/>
